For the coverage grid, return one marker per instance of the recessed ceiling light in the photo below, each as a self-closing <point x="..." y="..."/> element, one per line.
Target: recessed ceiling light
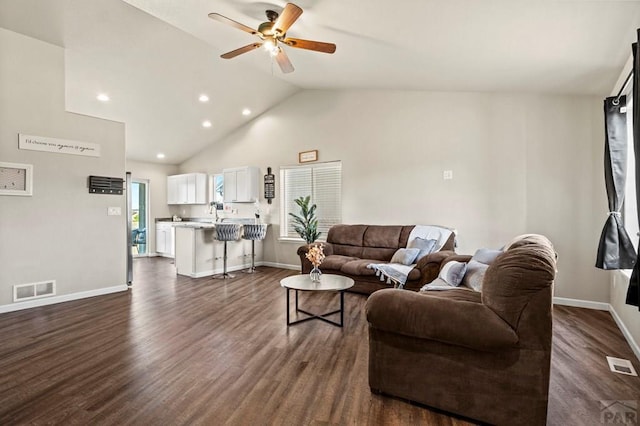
<point x="246" y="111"/>
<point x="206" y="123"/>
<point x="203" y="98"/>
<point x="102" y="97"/>
<point x="160" y="155"/>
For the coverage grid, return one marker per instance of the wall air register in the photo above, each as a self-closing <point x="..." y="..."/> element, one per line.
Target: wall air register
<point x="106" y="185"/>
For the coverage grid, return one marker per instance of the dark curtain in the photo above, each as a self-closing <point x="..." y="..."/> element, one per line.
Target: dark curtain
<point x="634" y="282"/>
<point x="615" y="250"/>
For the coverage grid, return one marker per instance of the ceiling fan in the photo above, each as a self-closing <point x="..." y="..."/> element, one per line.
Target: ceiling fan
<point x="273" y="34"/>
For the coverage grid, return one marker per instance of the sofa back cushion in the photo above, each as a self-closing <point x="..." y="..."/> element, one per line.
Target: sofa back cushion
<point x="527" y="268"/>
<point x="376" y="242"/>
<point x="347" y="240"/>
<point x="381" y="242"/>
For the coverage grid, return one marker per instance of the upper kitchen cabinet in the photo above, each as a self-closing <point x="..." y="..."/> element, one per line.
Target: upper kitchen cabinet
<point x="241" y="184"/>
<point x="189" y="188"/>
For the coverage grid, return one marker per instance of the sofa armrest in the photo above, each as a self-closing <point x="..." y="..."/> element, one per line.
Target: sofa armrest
<point x="456" y="322"/>
<point x="457" y="257"/>
<point x="429" y="265"/>
<point x="327" y="249"/>
<point x="303" y="250"/>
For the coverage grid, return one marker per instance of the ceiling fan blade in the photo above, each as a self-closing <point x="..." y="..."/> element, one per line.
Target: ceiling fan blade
<point x="288" y="16"/>
<point x="238" y="25"/>
<point x="283" y="60"/>
<point x="317" y="46"/>
<point x="240" y="51"/>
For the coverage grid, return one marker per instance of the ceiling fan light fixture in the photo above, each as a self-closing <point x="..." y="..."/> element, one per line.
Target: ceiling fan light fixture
<point x="273" y="33"/>
<point x="272" y="47"/>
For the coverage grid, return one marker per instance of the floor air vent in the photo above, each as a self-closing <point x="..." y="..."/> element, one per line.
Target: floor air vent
<point x="622" y="366"/>
<point x="22" y="292"/>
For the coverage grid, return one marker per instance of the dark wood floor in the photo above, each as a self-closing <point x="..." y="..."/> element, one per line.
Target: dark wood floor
<point x="175" y="350"/>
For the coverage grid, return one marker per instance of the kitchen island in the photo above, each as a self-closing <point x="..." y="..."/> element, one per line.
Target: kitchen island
<point x="198" y="253"/>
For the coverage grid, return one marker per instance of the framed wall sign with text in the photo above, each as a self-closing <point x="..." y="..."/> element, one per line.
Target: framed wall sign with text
<point x="308" y="156"/>
<point x="16" y="179"/>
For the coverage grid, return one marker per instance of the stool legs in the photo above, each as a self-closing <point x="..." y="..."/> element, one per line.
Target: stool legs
<point x="252" y="269"/>
<point x="224" y="265"/>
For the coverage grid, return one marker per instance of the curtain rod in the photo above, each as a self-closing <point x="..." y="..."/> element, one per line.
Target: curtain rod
<point x="616" y="101"/>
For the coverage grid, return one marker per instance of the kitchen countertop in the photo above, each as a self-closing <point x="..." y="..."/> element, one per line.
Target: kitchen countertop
<point x="197" y="225"/>
<point x="205" y="223"/>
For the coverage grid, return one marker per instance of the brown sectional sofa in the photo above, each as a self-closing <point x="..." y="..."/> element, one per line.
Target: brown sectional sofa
<point x="485" y="356"/>
<point x="350" y="248"/>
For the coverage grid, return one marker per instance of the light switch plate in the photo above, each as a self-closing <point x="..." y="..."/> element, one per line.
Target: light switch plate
<point x="114" y="211"/>
<point x="447" y="175"/>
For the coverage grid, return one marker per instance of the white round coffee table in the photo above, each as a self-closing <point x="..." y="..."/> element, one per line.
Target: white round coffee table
<point x="328" y="282"/>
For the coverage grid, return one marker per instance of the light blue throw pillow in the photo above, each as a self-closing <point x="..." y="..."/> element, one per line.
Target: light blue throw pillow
<point x="453" y="272"/>
<point x="406" y="256"/>
<point x="450" y="276"/>
<point x="478" y="265"/>
<point x="425" y="246"/>
<point x="486" y="256"/>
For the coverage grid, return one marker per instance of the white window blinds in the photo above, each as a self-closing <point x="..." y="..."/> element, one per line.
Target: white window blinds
<point x="323" y="182"/>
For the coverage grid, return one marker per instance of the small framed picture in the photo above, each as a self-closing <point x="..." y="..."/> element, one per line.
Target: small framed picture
<point x="308" y="156"/>
<point x="16" y="179"/>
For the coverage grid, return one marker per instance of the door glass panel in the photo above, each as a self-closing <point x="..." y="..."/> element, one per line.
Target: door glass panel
<point x="139" y="218"/>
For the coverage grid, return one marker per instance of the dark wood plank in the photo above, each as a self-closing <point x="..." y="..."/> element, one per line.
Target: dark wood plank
<point x="176" y="350"/>
<point x="580" y="375"/>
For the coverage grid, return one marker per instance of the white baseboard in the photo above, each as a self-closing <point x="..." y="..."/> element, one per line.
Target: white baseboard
<point x="281" y="265"/>
<point x="577" y="303"/>
<point x="601" y="306"/>
<point x="625" y="332"/>
<point x="62" y="298"/>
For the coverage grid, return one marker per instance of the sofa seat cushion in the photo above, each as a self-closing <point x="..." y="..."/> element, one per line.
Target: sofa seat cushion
<point x="336" y="262"/>
<point x="358" y="267"/>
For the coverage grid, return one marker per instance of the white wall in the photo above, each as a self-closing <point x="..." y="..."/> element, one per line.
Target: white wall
<point x="628" y="315"/>
<point x="156" y="174"/>
<point x="62" y="232"/>
<point x="521" y="163"/>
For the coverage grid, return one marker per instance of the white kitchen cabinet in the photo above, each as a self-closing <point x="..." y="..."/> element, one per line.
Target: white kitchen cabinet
<point x="165" y="239"/>
<point x="172" y="189"/>
<point x="241" y="184"/>
<point x="189" y="188"/>
<point x="195" y="251"/>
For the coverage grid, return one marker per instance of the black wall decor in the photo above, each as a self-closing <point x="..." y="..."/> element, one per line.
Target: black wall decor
<point x="105" y="185"/>
<point x="269" y="185"/>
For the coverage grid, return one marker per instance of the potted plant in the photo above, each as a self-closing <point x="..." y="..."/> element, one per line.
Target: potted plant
<point x="306" y="224"/>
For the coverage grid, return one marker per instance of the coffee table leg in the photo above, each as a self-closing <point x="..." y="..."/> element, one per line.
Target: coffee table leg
<point x="341" y="308"/>
<point x="288" y="322"/>
<point x="312" y="316"/>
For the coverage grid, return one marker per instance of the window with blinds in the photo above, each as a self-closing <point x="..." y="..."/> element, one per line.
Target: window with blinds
<point x="323" y="182"/>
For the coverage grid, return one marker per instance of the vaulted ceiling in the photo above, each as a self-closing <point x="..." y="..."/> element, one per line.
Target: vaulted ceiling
<point x="155" y="57"/>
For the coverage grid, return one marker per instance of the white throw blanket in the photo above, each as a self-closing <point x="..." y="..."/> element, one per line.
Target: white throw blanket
<point x="430" y="232"/>
<point x="397" y="273"/>
<point x="394" y="273"/>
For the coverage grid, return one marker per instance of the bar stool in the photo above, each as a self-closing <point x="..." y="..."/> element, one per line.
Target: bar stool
<point x="254" y="232"/>
<point x="227" y="232"/>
